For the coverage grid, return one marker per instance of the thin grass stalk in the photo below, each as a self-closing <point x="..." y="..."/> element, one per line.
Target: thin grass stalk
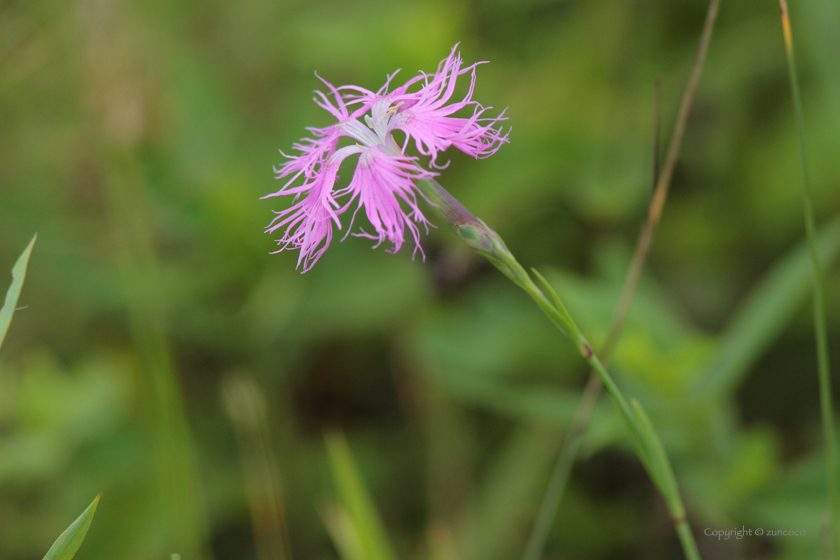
<point x="568" y="454"/>
<point x="114" y="70"/>
<point x="820" y="330"/>
<point x="177" y="486"/>
<point x="246" y="406"/>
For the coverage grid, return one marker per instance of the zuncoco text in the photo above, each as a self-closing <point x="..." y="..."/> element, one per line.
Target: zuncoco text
<point x="725" y="534"/>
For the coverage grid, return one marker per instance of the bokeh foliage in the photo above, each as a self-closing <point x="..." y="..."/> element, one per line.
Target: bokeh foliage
<point x="136" y="140"/>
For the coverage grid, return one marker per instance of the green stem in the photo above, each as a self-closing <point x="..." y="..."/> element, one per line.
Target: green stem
<point x="689" y="545"/>
<point x="562" y="470"/>
<point x="820" y="331"/>
<point x="558" y="315"/>
<point x="490" y="245"/>
<point x="662" y="182"/>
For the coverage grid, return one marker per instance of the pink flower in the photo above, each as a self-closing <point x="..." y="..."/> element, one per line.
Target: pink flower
<point x="383" y="182"/>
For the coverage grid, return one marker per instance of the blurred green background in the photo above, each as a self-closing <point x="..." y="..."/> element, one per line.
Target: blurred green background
<point x="165" y="359"/>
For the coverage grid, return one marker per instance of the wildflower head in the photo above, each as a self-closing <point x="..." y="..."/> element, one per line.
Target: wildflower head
<point x="420" y="112"/>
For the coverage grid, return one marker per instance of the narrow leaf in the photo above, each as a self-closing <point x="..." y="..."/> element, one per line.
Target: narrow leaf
<point x="570" y="329"/>
<point x="659" y="467"/>
<point x="509" y="490"/>
<point x="66" y="545"/>
<point x="18" y="274"/>
<point x="356" y="501"/>
<point x="343" y="534"/>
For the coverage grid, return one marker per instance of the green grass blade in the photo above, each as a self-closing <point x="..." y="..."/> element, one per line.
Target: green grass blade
<point x="508" y="490"/>
<point x="18" y="274"/>
<point x="763" y="315"/>
<point x="356" y="501"/>
<point x="247" y="408"/>
<point x="343" y="534"/>
<point x="174" y="456"/>
<point x="66" y="545"/>
<point x="820" y="329"/>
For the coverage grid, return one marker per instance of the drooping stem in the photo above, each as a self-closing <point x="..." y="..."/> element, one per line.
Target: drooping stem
<point x="571" y="446"/>
<point x="652" y="464"/>
<point x="490" y="245"/>
<point x="823" y="367"/>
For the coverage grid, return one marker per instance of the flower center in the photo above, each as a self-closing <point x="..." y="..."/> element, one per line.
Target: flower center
<point x="378" y="129"/>
<point x="365" y="135"/>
